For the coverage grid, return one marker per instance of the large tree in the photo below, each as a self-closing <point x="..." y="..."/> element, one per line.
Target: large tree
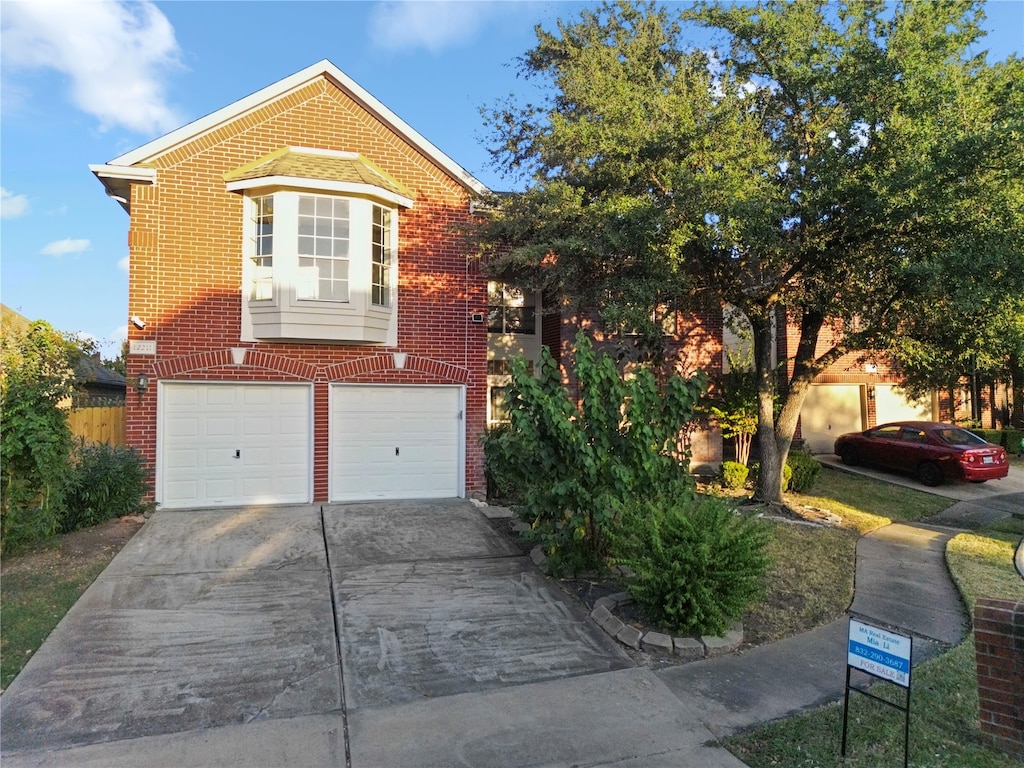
<point x="807" y="164"/>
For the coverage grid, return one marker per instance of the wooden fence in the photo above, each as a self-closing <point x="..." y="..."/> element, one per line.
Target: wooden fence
<point x="99" y="425"/>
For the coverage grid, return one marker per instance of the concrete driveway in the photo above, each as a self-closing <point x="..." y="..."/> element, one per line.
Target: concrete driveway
<point x="373" y="634"/>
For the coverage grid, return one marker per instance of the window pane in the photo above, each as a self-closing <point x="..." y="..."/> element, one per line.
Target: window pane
<point x="324" y="207"/>
<point x="306" y="246"/>
<point x="307" y="205"/>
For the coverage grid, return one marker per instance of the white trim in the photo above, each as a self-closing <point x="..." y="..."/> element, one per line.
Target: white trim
<point x="231" y="112"/>
<point x="130" y="173"/>
<point x="321" y="185"/>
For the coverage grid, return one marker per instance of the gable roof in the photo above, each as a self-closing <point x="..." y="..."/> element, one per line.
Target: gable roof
<point x="120" y="172"/>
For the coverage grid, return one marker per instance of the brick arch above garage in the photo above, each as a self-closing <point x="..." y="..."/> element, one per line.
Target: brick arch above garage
<point x="349" y="370"/>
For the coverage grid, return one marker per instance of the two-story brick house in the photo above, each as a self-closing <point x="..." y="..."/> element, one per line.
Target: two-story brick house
<point x="306" y="322"/>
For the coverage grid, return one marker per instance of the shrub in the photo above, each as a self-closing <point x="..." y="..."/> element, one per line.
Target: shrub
<point x="35" y="440"/>
<point x="734" y="474"/>
<point x="578" y="460"/>
<point x="787" y="474"/>
<point x="697" y="565"/>
<point x="104" y="482"/>
<point x="805" y="470"/>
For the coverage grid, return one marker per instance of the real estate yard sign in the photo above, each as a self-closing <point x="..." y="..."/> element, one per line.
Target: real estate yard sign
<point x="882" y="654"/>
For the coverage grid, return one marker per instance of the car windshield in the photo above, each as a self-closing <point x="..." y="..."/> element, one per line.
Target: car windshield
<point x="957" y="436"/>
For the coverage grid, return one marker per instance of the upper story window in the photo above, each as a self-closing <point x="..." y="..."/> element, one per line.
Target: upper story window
<point x="323" y="248"/>
<point x="510" y="310"/>
<point x="382" y="257"/>
<point x="263" y="248"/>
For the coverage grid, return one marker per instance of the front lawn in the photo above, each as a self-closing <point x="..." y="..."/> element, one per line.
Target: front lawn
<point x="944" y="732"/>
<point x="811" y="580"/>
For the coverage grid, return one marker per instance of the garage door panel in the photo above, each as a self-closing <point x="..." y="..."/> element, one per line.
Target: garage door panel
<point x="223" y="444"/>
<point x="830" y="410"/>
<point x="368" y="424"/>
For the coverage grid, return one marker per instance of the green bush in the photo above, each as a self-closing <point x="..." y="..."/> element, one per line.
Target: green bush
<point x="1013" y="440"/>
<point x="734" y="475"/>
<point x="697" y="565"/>
<point x="502" y="482"/>
<point x="104" y="482"/>
<point x="35" y="440"/>
<point x="576" y="460"/>
<point x="787" y="474"/>
<point x="805" y="470"/>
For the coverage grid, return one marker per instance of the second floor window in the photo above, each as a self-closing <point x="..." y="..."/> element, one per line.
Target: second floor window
<point x="323" y="248"/>
<point x="263" y="248"/>
<point x="510" y="310"/>
<point x="382" y="257"/>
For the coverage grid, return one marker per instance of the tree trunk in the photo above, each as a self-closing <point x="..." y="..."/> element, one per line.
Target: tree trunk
<point x="769" y="478"/>
<point x="775" y="437"/>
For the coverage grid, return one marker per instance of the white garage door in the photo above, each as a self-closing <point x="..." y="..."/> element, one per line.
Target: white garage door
<point x="395" y="442"/>
<point x="893" y="404"/>
<point x="233" y="444"/>
<point x="828" y="411"/>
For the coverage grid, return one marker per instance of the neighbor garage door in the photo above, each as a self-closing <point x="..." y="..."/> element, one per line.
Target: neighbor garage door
<point x="233" y="444"/>
<point x="395" y="442"/>
<point x="893" y="404"/>
<point x="828" y="411"/>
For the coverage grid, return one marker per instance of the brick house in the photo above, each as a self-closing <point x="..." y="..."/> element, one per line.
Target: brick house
<point x="306" y="323"/>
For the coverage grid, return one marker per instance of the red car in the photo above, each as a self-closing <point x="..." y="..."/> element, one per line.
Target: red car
<point x="933" y="451"/>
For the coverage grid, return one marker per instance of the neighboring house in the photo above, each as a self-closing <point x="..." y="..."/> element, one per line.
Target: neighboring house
<point x="306" y="324"/>
<point x="95" y="384"/>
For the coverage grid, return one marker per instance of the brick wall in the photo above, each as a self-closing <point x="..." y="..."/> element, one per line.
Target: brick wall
<point x="999" y="649"/>
<point x="186" y="246"/>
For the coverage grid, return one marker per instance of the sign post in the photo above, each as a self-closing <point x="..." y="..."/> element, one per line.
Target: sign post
<point x="885" y="655"/>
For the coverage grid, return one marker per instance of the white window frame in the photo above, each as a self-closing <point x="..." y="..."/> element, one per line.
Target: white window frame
<point x="289" y="294"/>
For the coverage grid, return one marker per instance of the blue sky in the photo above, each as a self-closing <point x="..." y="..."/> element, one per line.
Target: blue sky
<point x="83" y="82"/>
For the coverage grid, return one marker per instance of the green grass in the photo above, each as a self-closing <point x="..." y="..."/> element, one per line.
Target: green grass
<point x="810" y="582"/>
<point x="944" y="732"/>
<point x="31" y="605"/>
<point x="865" y="503"/>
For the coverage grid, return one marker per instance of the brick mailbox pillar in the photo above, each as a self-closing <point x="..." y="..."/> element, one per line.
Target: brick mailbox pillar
<point x="999" y="650"/>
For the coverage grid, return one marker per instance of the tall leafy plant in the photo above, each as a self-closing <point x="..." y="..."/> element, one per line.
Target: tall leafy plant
<point x="35" y="440"/>
<point x="579" y="460"/>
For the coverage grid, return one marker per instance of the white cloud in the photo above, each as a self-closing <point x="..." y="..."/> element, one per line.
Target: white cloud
<point x="119" y="335"/>
<point x="123" y="266"/>
<point x="433" y="25"/>
<point x="12" y="206"/>
<point x="115" y="55"/>
<point x="65" y="246"/>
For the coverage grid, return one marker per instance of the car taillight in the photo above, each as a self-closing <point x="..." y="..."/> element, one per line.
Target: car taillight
<point x="970" y="457"/>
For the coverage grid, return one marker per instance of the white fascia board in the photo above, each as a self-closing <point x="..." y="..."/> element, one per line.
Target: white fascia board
<point x="127" y="173"/>
<point x="320" y="185"/>
<point x="281" y="88"/>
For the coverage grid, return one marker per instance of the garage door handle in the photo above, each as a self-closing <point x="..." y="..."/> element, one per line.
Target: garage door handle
<point x="238" y="454"/>
<point x="396" y="451"/>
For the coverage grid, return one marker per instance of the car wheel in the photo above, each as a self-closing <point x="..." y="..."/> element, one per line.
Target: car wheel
<point x="930" y="474"/>
<point x="849" y="456"/>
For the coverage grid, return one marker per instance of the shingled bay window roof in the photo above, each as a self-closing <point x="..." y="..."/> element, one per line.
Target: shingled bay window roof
<point x="320" y="169"/>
